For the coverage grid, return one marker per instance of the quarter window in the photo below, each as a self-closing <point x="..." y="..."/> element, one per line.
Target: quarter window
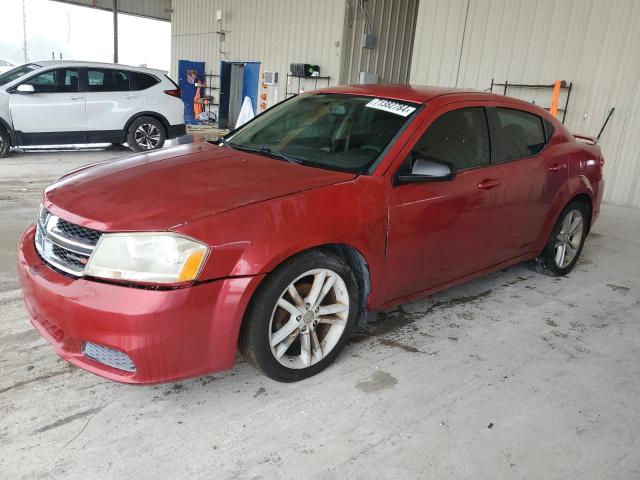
<point x="522" y="133"/>
<point x="63" y="80"/>
<point x="142" y="81"/>
<point x="459" y="137"/>
<point x="107" y="80"/>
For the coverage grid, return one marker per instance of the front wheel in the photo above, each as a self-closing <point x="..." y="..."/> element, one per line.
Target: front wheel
<point x="565" y="244"/>
<point x="145" y="133"/>
<point x="5" y="143"/>
<point x="301" y="318"/>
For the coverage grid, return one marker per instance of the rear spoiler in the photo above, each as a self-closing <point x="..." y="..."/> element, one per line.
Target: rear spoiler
<point x="585" y="139"/>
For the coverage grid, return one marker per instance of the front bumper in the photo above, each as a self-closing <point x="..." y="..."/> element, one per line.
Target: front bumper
<point x="167" y="334"/>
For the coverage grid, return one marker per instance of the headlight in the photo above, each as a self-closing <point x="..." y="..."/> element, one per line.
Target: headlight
<point x="147" y="257"/>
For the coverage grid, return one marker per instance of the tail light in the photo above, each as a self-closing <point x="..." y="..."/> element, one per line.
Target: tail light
<point x="174" y="93"/>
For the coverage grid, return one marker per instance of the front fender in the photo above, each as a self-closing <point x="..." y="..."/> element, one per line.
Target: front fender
<point x="255" y="239"/>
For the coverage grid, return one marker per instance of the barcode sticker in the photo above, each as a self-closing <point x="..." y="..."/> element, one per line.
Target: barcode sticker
<point x="391" y="107"/>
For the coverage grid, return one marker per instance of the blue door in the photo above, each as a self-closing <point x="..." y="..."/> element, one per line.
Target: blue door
<point x="250" y="82"/>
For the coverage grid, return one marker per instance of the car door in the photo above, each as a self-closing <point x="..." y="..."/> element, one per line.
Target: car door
<point x="110" y="102"/>
<point x="443" y="230"/>
<point x="56" y="105"/>
<point x="533" y="177"/>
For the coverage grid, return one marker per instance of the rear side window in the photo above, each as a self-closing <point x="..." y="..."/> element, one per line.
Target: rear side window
<point x="62" y="80"/>
<point x="107" y="80"/>
<point x="459" y="137"/>
<point x="142" y="81"/>
<point x="523" y="133"/>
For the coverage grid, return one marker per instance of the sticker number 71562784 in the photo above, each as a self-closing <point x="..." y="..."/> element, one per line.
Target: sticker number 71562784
<point x="392" y="107"/>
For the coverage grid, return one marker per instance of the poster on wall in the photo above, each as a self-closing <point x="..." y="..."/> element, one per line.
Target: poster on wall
<point x="190" y="74"/>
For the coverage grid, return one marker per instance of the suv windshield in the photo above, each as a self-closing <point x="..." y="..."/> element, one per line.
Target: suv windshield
<point x="333" y="131"/>
<point x="17" y="72"/>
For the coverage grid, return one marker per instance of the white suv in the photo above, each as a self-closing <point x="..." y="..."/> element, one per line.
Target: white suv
<point x="60" y="103"/>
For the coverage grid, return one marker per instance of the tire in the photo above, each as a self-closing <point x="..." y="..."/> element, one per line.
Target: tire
<point x="264" y="332"/>
<point x="145" y="134"/>
<point x="5" y="142"/>
<point x="552" y="261"/>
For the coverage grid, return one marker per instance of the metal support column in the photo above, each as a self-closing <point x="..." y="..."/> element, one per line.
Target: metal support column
<point x="115" y="31"/>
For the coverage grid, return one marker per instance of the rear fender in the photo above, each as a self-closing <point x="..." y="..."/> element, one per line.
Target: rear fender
<point x="574" y="186"/>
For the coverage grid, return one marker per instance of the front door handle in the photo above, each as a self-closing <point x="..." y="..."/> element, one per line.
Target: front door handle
<point x="76" y="98"/>
<point x="557" y="167"/>
<point x="489" y="184"/>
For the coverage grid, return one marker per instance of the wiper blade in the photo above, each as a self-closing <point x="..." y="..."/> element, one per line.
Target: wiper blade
<point x="283" y="156"/>
<point x="270" y="152"/>
<point x="224" y="142"/>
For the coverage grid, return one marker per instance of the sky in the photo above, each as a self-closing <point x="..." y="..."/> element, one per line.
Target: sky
<point x="80" y="33"/>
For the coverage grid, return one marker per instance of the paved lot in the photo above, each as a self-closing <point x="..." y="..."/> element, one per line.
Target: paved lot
<point x="515" y="375"/>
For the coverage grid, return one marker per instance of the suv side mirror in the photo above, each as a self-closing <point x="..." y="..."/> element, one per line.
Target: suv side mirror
<point x="426" y="169"/>
<point x="25" y="88"/>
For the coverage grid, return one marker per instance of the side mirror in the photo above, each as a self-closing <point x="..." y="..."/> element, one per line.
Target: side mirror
<point x="25" y="88"/>
<point x="428" y="170"/>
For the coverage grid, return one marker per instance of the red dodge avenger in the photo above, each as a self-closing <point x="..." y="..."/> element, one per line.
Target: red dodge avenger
<point x="280" y="238"/>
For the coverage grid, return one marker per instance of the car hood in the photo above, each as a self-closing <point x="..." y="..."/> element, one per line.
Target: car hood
<point x="164" y="189"/>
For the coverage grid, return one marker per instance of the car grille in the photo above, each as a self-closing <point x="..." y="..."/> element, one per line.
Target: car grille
<point x="108" y="356"/>
<point x="64" y="245"/>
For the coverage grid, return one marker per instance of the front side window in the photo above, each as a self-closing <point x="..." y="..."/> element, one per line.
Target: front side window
<point x="333" y="131"/>
<point x="523" y="134"/>
<point x="62" y="80"/>
<point x="17" y="72"/>
<point x="459" y="137"/>
<point x="107" y="80"/>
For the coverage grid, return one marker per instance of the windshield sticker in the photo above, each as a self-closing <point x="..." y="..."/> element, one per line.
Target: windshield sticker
<point x="391" y="107"/>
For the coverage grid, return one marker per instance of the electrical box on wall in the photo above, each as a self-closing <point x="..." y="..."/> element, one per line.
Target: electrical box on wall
<point x="367" y="77"/>
<point x="368" y="40"/>
<point x="271" y="78"/>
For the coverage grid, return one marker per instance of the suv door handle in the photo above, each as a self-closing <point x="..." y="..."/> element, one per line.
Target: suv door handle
<point x="130" y="96"/>
<point x="489" y="184"/>
<point x="76" y="98"/>
<point x="557" y="167"/>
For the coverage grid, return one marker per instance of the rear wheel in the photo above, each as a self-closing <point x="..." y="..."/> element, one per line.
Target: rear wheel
<point x="5" y="142"/>
<point x="146" y="133"/>
<point x="301" y="318"/>
<point x="565" y="244"/>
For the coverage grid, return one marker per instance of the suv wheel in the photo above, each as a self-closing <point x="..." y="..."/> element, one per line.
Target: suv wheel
<point x="301" y="318"/>
<point x="145" y="133"/>
<point x="5" y="143"/>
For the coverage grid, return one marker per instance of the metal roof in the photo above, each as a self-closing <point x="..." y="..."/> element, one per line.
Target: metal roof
<point x="156" y="9"/>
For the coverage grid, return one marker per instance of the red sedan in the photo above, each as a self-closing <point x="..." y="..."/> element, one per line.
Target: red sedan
<point x="279" y="239"/>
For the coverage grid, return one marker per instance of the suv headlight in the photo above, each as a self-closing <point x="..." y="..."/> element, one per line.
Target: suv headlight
<point x="147" y="257"/>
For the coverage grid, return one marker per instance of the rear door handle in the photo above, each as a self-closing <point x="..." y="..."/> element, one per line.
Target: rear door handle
<point x="489" y="184"/>
<point x="76" y="98"/>
<point x="130" y="96"/>
<point x="557" y="167"/>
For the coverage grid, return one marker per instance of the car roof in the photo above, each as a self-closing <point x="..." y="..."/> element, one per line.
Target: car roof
<point x="407" y="93"/>
<point x="78" y="63"/>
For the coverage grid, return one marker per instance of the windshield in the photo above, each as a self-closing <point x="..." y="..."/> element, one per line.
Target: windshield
<point x="333" y="131"/>
<point x="17" y="72"/>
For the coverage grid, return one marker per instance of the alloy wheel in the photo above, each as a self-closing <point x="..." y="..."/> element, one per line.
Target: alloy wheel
<point x="147" y="136"/>
<point x="309" y="318"/>
<point x="568" y="239"/>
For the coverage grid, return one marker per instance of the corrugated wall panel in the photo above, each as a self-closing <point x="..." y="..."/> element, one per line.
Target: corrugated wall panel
<point x="592" y="43"/>
<point x="275" y="33"/>
<point x="394" y="28"/>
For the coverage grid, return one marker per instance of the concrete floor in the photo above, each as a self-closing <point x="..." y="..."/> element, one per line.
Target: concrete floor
<point x="516" y="375"/>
